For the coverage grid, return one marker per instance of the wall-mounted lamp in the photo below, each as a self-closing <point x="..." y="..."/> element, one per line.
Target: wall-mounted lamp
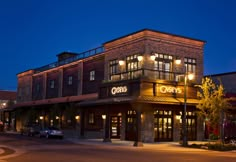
<point x="178" y="117"/>
<point x="77" y="117"/>
<point x="41" y="117"/>
<point x="103" y="117"/>
<point x="140" y="58"/>
<point x="153" y="57"/>
<point x="121" y="62"/>
<point x="177" y="61"/>
<point x="57" y="117"/>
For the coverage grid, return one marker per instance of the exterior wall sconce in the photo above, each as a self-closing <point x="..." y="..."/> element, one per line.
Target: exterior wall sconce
<point x="178" y="117"/>
<point x="57" y="117"/>
<point x="41" y="117"/>
<point x="77" y="117"/>
<point x="153" y="57"/>
<point x="103" y="117"/>
<point x="140" y="58"/>
<point x="177" y="61"/>
<point x="121" y="62"/>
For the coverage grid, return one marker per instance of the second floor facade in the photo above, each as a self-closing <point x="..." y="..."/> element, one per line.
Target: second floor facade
<point x="145" y="54"/>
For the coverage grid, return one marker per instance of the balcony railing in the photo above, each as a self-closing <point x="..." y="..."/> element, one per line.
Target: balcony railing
<point x="80" y="56"/>
<point x="146" y="73"/>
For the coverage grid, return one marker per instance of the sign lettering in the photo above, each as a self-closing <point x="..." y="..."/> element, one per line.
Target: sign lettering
<point x="170" y="89"/>
<point x="119" y="90"/>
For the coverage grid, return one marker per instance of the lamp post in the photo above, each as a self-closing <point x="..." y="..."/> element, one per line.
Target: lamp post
<point x="184" y="128"/>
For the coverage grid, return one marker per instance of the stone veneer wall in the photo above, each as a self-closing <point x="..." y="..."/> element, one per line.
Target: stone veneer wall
<point x="148" y="126"/>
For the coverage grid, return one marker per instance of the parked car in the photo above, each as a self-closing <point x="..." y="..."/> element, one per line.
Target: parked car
<point x="51" y="132"/>
<point x="230" y="140"/>
<point x="30" y="129"/>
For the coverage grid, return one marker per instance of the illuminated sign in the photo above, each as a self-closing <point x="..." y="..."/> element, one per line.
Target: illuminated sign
<point x="119" y="90"/>
<point x="170" y="89"/>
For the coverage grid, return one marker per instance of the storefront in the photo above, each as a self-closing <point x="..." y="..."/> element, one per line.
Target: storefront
<point x="159" y="106"/>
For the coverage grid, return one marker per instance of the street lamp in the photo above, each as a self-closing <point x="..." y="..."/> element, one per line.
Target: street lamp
<point x="186" y="78"/>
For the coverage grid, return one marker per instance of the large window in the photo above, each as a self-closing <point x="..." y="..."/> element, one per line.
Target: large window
<point x="190" y="65"/>
<point x="163" y="65"/>
<point x="133" y="66"/>
<point x="113" y="67"/>
<point x="133" y="63"/>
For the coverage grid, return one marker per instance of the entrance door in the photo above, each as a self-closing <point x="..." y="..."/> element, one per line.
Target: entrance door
<point x="163" y="125"/>
<point x="115" y="126"/>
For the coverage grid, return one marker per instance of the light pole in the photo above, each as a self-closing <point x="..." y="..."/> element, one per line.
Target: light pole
<point x="184" y="126"/>
<point x="186" y="78"/>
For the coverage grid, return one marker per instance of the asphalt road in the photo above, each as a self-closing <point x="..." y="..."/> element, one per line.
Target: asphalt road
<point x="33" y="149"/>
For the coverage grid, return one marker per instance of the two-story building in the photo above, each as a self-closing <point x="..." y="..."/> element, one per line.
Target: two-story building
<point x="132" y="88"/>
<point x="7" y="98"/>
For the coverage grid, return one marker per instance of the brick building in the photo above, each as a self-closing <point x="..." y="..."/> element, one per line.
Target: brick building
<point x="7" y="98"/>
<point x="229" y="84"/>
<point x="130" y="88"/>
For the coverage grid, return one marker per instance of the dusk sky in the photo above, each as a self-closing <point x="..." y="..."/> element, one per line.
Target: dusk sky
<point x="33" y="32"/>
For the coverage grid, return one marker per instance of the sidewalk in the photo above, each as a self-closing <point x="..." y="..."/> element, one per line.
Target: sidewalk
<point x="118" y="142"/>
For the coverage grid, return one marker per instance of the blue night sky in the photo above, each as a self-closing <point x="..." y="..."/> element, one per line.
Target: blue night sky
<point x="33" y="32"/>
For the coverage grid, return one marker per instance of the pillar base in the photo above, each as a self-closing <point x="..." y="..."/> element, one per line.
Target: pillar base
<point x="138" y="144"/>
<point x="106" y="140"/>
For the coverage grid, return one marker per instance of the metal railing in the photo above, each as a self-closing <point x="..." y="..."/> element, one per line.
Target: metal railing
<point x="146" y="73"/>
<point x="79" y="56"/>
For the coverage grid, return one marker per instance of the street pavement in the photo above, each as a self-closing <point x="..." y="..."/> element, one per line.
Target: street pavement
<point x="165" y="146"/>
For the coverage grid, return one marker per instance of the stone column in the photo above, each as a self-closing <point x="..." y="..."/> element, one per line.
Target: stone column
<point x="138" y="139"/>
<point x="107" y="137"/>
<point x="148" y="126"/>
<point x="176" y="127"/>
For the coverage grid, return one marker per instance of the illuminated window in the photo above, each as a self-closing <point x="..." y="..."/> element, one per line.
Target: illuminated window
<point x="91" y="118"/>
<point x="133" y="66"/>
<point x="113" y="67"/>
<point x="92" y="75"/>
<point x="132" y="63"/>
<point x="163" y="65"/>
<point x="70" y="80"/>
<point x="190" y="65"/>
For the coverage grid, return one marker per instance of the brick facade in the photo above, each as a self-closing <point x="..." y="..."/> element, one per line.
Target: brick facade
<point x="137" y="93"/>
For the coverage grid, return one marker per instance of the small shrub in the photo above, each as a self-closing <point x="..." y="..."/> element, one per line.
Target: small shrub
<point x="212" y="136"/>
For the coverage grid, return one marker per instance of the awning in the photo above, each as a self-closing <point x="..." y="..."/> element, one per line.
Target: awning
<point x="167" y="100"/>
<point x="116" y="100"/>
<point x="53" y="101"/>
<point x="141" y="99"/>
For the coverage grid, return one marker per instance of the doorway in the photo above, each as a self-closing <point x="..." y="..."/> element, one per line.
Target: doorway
<point x="163" y="125"/>
<point x="115" y="126"/>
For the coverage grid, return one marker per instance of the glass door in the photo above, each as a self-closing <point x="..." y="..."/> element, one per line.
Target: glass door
<point x="163" y="125"/>
<point x="115" y="126"/>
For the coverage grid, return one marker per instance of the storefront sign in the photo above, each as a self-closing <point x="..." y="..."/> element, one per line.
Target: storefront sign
<point x="119" y="90"/>
<point x="170" y="89"/>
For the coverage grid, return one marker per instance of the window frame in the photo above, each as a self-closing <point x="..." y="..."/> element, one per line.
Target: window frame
<point x="70" y="80"/>
<point x="92" y="75"/>
<point x="91" y="118"/>
<point x="52" y="84"/>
